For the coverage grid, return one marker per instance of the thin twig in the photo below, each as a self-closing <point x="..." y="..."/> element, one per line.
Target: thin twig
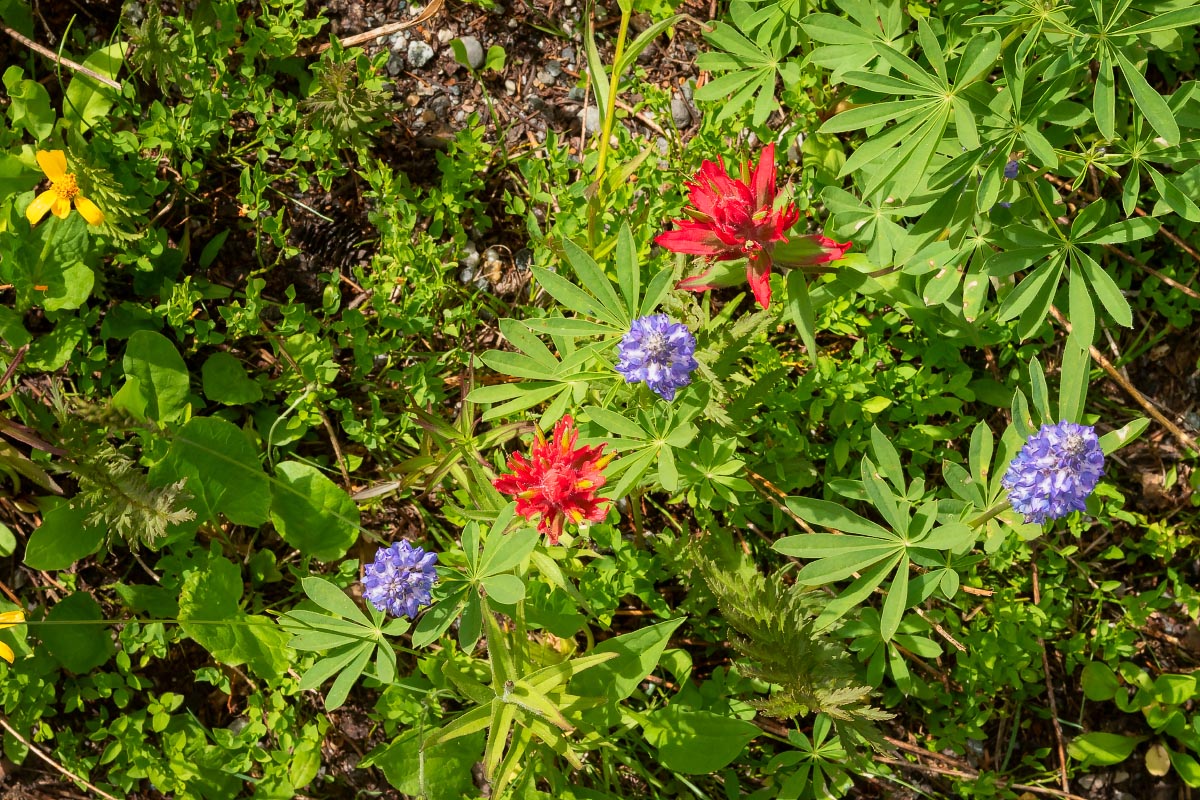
<point x="1139" y="398"/>
<point x="44" y="757"/>
<point x="1058" y="736"/>
<point x="941" y="631"/>
<point x="66" y="62"/>
<point x="965" y="772"/>
<point x="386" y="30"/>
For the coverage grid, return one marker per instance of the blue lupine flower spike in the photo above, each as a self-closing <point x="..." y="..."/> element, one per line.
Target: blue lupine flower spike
<point x="659" y="353"/>
<point x="1012" y="169"/>
<point x="1056" y="470"/>
<point x="400" y="580"/>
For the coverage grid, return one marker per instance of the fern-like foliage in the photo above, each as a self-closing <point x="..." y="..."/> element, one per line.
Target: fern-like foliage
<point x="812" y="673"/>
<point x="113" y="488"/>
<point x="349" y="101"/>
<point x="157" y="49"/>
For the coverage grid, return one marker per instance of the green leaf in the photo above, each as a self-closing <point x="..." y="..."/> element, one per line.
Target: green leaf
<point x="222" y="471"/>
<point x="63" y="538"/>
<point x="312" y="513"/>
<point x="894" y="602"/>
<point x="873" y="114"/>
<point x="596" y="282"/>
<point x="225" y="381"/>
<point x="888" y="458"/>
<point x="696" y="742"/>
<point x="30" y="104"/>
<point x="1103" y="749"/>
<point x="835" y="568"/>
<point x="344" y="682"/>
<point x="1081" y="310"/>
<point x="437" y="772"/>
<point x="801" y="309"/>
<point x="1179" y="18"/>
<point x="1148" y="101"/>
<point x="161" y="374"/>
<point x="87" y="100"/>
<point x="1115" y="440"/>
<point x="1187" y="767"/>
<point x="1123" y="232"/>
<point x="637" y="656"/>
<point x="1073" y="381"/>
<point x="502" y="552"/>
<point x="333" y="600"/>
<point x="209" y="613"/>
<point x="1107" y="291"/>
<point x="1104" y="104"/>
<point x="615" y="423"/>
<point x="505" y="588"/>
<point x="834" y="517"/>
<point x="81" y="647"/>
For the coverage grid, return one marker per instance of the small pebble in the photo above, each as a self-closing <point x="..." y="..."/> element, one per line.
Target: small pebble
<point x="395" y="64"/>
<point x="591" y="119"/>
<point x="576" y="94"/>
<point x="568" y="53"/>
<point x="419" y="53"/>
<point x="510" y="87"/>
<point x="474" y="50"/>
<point x="680" y="112"/>
<point x="445" y="35"/>
<point x="554" y="69"/>
<point x="545" y="78"/>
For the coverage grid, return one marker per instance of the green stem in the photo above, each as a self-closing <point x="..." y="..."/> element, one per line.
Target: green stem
<point x="1049" y="216"/>
<point x="990" y="514"/>
<point x="610" y="113"/>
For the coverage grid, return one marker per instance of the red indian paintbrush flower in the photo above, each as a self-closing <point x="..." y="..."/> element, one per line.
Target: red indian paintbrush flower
<point x="733" y="218"/>
<point x="558" y="482"/>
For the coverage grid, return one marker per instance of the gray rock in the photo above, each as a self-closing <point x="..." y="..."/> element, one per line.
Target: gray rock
<point x="688" y="91"/>
<point x="591" y="119"/>
<point x="545" y="78"/>
<point x="398" y="41"/>
<point x="568" y="53"/>
<point x="395" y="64"/>
<point x="445" y="35"/>
<point x="510" y="87"/>
<point x="681" y="112"/>
<point x="576" y="94"/>
<point x="554" y="69"/>
<point x="474" y="50"/>
<point x="419" y="53"/>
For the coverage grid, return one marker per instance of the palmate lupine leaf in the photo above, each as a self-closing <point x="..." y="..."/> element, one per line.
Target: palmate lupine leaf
<point x="907" y="147"/>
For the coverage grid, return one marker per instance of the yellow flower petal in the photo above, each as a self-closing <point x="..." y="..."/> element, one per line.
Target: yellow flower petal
<point x="6" y="652"/>
<point x="10" y="618"/>
<point x="89" y="210"/>
<point x="40" y="205"/>
<point x="53" y="163"/>
<point x="61" y="207"/>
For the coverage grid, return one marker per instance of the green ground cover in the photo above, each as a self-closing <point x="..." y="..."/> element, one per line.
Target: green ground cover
<point x="811" y="416"/>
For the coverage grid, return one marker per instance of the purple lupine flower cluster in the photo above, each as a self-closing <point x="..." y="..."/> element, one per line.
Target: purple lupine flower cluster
<point x="1056" y="470"/>
<point x="1012" y="169"/>
<point x="659" y="353"/>
<point x="400" y="579"/>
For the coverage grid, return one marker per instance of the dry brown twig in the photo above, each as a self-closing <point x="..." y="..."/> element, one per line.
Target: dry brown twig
<point x="1179" y="434"/>
<point x="45" y="757"/>
<point x="427" y="14"/>
<point x="1058" y="735"/>
<point x="66" y="62"/>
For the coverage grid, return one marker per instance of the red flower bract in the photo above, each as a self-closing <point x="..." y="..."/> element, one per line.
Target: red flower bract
<point x="558" y="481"/>
<point x="733" y="218"/>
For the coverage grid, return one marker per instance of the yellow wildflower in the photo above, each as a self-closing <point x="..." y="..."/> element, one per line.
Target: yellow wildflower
<point x="63" y="189"/>
<point x="7" y="620"/>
